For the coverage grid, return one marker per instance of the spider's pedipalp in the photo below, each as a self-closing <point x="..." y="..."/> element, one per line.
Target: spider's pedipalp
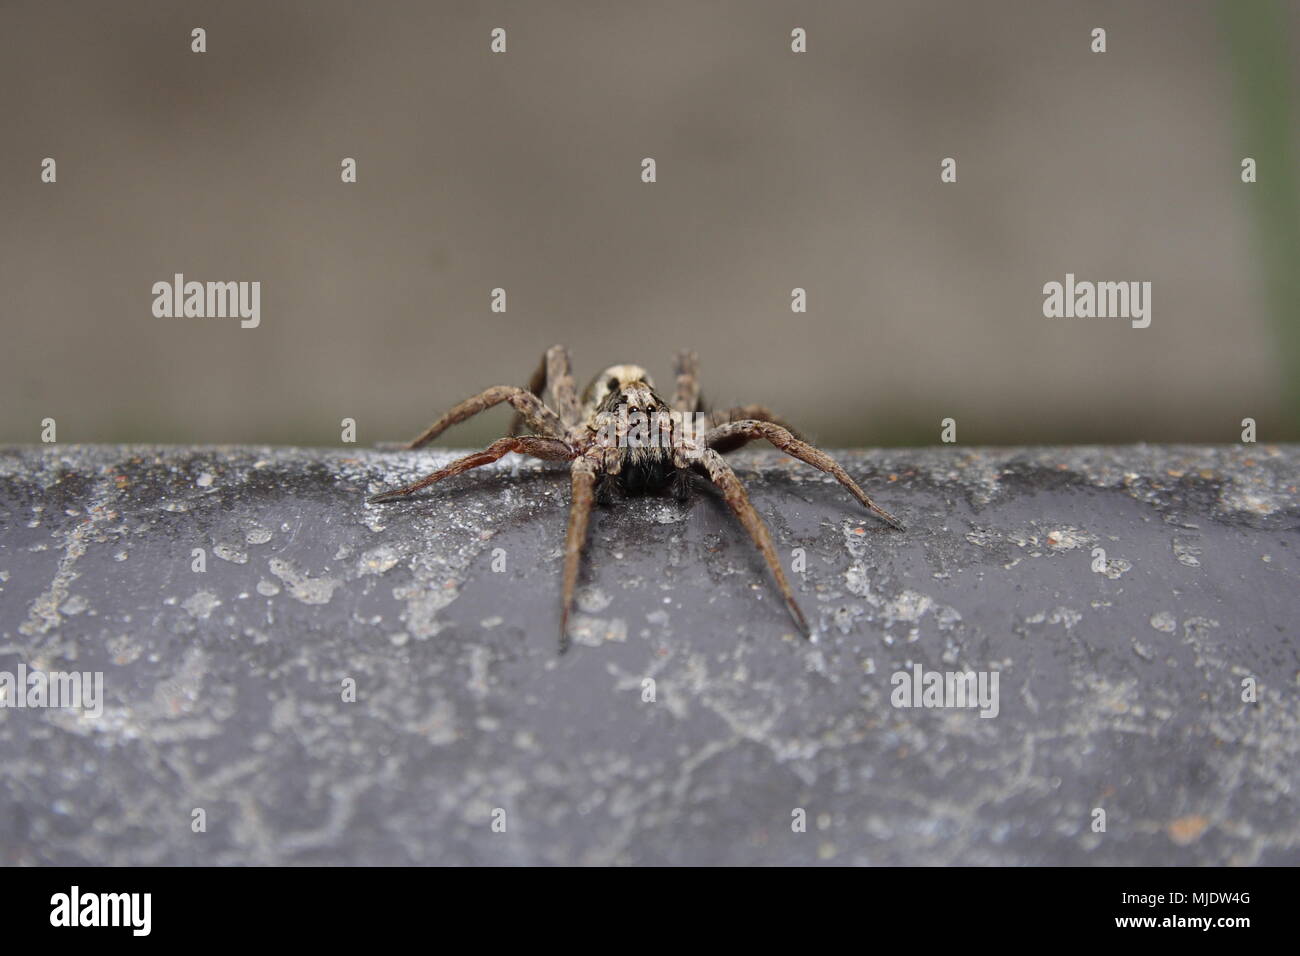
<point x="609" y="489"/>
<point x="539" y="417"/>
<point x="725" y="435"/>
<point x="683" y="482"/>
<point x="547" y="449"/>
<point x="733" y="492"/>
<point x="575" y="537"/>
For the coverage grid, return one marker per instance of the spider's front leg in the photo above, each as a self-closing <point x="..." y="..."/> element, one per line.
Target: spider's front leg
<point x="564" y="393"/>
<point x="741" y="431"/>
<point x="740" y="413"/>
<point x="584" y="494"/>
<point x="686" y="371"/>
<point x="733" y="492"/>
<point x="547" y="449"/>
<point x="534" y="411"/>
<point x="554" y="375"/>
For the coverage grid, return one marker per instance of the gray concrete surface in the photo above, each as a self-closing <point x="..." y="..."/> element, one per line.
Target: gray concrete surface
<point x="1120" y="689"/>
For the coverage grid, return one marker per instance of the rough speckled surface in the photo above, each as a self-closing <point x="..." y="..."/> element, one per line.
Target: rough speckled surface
<point x="1119" y="689"/>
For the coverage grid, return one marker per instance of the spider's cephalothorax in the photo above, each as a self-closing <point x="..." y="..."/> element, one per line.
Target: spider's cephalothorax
<point x="621" y="438"/>
<point x="637" y="432"/>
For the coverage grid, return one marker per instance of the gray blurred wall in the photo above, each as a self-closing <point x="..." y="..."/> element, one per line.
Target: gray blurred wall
<point x="522" y="171"/>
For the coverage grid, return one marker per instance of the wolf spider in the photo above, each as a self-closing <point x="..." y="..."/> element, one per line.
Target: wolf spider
<point x="604" y="435"/>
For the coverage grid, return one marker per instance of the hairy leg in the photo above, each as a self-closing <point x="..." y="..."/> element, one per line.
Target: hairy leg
<point x="741" y="413"/>
<point x="536" y="385"/>
<point x="564" y="393"/>
<point x="584" y="483"/>
<point x="734" y="494"/>
<point x="554" y="375"/>
<point x="780" y="437"/>
<point x="686" y="368"/>
<point x="539" y="417"/>
<point x="548" y="449"/>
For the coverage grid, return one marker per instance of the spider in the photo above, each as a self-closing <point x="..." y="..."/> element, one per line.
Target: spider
<point x="622" y="438"/>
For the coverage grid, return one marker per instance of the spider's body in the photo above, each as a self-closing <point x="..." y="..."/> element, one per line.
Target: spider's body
<point x="636" y="440"/>
<point x="621" y="438"/>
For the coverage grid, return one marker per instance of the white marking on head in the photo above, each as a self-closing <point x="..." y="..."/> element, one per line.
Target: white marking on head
<point x="618" y="377"/>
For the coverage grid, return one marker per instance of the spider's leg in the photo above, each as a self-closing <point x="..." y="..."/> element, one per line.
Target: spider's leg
<point x="739" y="413"/>
<point x="734" y="494"/>
<point x="536" y="385"/>
<point x="686" y="368"/>
<point x="540" y="418"/>
<point x="584" y="484"/>
<point x="548" y="449"/>
<point x="564" y="394"/>
<point x="782" y="439"/>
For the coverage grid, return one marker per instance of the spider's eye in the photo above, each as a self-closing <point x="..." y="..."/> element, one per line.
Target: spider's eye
<point x="612" y="384"/>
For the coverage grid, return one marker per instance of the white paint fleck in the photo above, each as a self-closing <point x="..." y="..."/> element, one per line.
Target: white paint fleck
<point x="592" y="599"/>
<point x="1187" y="553"/>
<point x="594" y="631"/>
<point x="1164" y="621"/>
<point x="909" y="606"/>
<point x="377" y="560"/>
<point x="230" y="552"/>
<point x="304" y="588"/>
<point x="201" y="604"/>
<point x="1115" y="567"/>
<point x="1066" y="539"/>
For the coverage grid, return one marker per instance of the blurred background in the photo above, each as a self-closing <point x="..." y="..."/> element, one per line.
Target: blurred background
<point x="775" y="170"/>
